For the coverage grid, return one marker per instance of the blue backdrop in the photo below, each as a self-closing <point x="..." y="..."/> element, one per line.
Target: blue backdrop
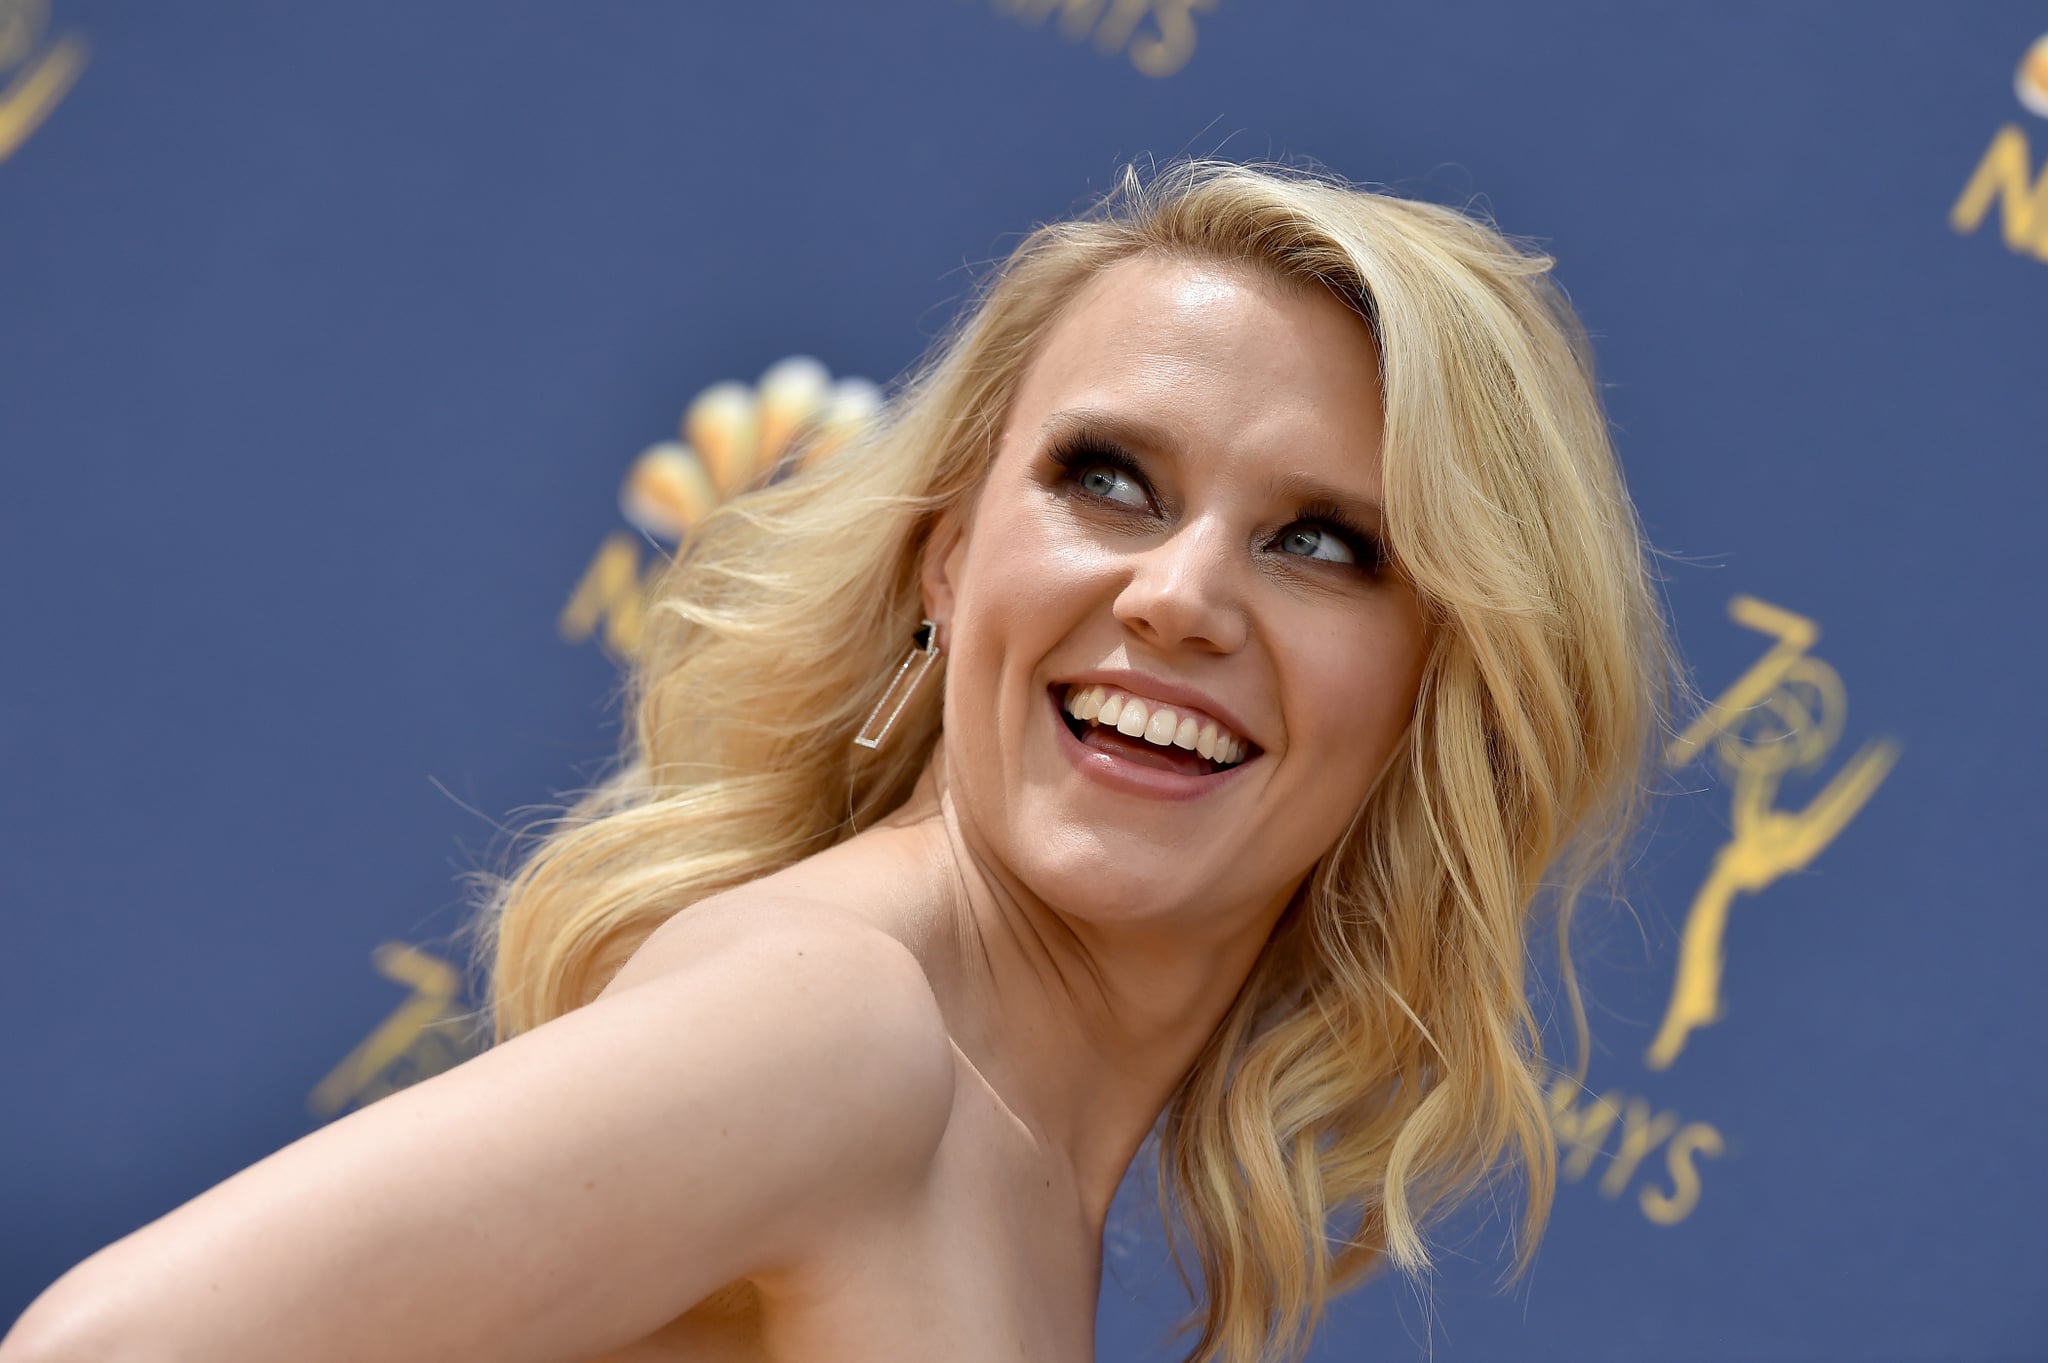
<point x="329" y="335"/>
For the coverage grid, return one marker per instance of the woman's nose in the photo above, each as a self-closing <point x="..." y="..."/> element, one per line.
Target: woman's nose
<point x="1186" y="591"/>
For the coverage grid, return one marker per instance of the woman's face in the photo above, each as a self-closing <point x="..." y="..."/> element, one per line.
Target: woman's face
<point x="1181" y="517"/>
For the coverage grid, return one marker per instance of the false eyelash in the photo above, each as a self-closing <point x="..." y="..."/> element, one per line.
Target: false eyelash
<point x="1368" y="548"/>
<point x="1081" y="450"/>
<point x="1074" y="453"/>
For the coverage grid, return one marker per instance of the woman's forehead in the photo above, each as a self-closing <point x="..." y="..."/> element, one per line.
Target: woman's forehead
<point x="1168" y="301"/>
<point x="1208" y="355"/>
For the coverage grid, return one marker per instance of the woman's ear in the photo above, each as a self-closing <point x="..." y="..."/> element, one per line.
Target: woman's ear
<point x="939" y="568"/>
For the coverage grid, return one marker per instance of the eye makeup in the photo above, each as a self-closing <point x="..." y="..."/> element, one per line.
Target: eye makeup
<point x="1367" y="549"/>
<point x="1075" y="453"/>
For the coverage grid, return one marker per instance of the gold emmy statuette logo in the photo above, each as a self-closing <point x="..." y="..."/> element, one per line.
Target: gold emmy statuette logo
<point x="33" y="77"/>
<point x="1114" y="26"/>
<point x="420" y="1039"/>
<point x="1783" y="715"/>
<point x="733" y="438"/>
<point x="2006" y="173"/>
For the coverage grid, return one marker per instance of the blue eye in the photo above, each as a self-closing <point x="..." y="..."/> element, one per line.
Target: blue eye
<point x="1103" y="471"/>
<point x="1324" y="532"/>
<point x="1327" y="534"/>
<point x="1314" y="541"/>
<point x="1112" y="484"/>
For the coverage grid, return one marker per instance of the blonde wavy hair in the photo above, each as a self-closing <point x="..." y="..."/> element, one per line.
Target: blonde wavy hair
<point x="1383" y="1060"/>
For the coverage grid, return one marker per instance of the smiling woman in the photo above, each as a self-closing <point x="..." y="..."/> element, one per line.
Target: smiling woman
<point x="1295" y="627"/>
<point x="1291" y="628"/>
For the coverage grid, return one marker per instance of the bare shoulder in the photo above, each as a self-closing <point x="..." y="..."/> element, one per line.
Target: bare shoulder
<point x="837" y="1016"/>
<point x="746" y="1083"/>
<point x="789" y="946"/>
<point x="757" y="918"/>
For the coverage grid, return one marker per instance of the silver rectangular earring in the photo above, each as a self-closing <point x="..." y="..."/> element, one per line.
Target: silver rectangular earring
<point x="924" y="648"/>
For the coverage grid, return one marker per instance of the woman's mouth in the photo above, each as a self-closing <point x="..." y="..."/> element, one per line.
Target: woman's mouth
<point x="1148" y="733"/>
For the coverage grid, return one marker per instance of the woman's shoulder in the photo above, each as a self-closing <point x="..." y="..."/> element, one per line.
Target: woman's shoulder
<point x="744" y="1082"/>
<point x="821" y="1009"/>
<point x="827" y="973"/>
<point x="768" y="918"/>
<point x="845" y="900"/>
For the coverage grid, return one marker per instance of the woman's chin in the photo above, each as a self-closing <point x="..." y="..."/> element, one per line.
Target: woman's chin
<point x="1109" y="886"/>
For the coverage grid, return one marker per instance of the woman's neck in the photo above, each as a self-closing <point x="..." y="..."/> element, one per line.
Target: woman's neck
<point x="1083" y="1030"/>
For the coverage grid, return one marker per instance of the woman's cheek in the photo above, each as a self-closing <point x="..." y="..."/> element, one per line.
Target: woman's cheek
<point x="1362" y="702"/>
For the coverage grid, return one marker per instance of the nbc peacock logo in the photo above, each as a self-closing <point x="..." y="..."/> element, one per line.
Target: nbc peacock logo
<point x="2005" y="174"/>
<point x="733" y="436"/>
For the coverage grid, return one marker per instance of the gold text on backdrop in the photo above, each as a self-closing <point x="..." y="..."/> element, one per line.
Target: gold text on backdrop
<point x="2006" y="171"/>
<point x="33" y="77"/>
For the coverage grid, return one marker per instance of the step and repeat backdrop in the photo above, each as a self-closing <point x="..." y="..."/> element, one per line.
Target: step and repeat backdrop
<point x="358" y="363"/>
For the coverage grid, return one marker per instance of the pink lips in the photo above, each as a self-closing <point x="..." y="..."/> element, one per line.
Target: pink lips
<point x="1128" y="777"/>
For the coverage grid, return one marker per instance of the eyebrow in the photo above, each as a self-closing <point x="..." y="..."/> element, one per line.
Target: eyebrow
<point x="1145" y="434"/>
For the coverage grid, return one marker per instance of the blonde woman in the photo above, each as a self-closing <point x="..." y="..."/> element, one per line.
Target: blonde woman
<point x="1161" y="718"/>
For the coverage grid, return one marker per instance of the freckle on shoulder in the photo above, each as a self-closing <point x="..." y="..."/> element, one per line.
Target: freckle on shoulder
<point x="748" y="916"/>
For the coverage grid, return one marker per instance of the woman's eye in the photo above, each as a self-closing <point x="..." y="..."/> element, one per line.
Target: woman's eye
<point x="1313" y="541"/>
<point x="1112" y="484"/>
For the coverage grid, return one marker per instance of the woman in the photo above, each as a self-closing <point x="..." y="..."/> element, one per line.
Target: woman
<point x="1162" y="715"/>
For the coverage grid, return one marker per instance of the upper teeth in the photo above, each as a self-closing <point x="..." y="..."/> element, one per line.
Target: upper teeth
<point x="1155" y="723"/>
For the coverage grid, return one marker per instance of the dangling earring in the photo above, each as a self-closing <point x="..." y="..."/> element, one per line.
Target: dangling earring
<point x="924" y="648"/>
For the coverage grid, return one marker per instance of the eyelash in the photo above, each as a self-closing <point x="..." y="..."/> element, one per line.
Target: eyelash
<point x="1076" y="454"/>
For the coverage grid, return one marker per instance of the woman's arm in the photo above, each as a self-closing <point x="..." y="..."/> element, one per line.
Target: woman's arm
<point x="563" y="1194"/>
